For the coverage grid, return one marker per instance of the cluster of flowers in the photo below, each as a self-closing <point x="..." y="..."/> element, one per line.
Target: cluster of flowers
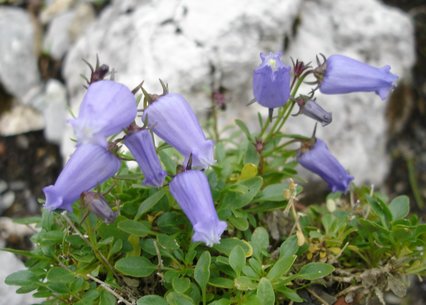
<point x="337" y="74"/>
<point x="109" y="108"/>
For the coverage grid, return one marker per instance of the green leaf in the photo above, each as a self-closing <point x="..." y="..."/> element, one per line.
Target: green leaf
<point x="137" y="228"/>
<point x="381" y="210"/>
<point x="273" y="192"/>
<point x="167" y="242"/>
<point x="236" y="199"/>
<point x="221" y="302"/>
<point x="244" y="283"/>
<point x="137" y="266"/>
<point x="20" y="278"/>
<point x="202" y="270"/>
<point x="244" y="129"/>
<point x="150" y="202"/>
<point x="227" y="244"/>
<point x="106" y="298"/>
<point x="181" y="284"/>
<point x="260" y="241"/>
<point x="265" y="292"/>
<point x="313" y="271"/>
<point x="221" y="282"/>
<point x="289" y="247"/>
<point x="399" y="207"/>
<point x="151" y="300"/>
<point x="290" y="294"/>
<point x="240" y="223"/>
<point x="237" y="259"/>
<point x="248" y="171"/>
<point x="281" y="267"/>
<point x="175" y="298"/>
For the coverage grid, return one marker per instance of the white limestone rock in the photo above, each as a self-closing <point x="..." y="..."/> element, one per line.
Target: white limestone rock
<point x="65" y="28"/>
<point x="18" y="62"/>
<point x="11" y="264"/>
<point x="20" y="119"/>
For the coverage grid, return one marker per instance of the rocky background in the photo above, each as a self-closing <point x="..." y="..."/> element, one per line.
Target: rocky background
<point x="202" y="47"/>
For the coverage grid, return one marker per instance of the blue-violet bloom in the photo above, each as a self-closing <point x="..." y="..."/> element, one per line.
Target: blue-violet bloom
<point x="172" y="119"/>
<point x="88" y="166"/>
<point x="107" y="108"/>
<point x="99" y="206"/>
<point x="142" y="147"/>
<point x="318" y="159"/>
<point x="192" y="192"/>
<point x="341" y="74"/>
<point x="271" y="81"/>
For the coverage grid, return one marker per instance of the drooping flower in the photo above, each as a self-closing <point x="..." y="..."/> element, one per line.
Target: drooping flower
<point x="172" y="119"/>
<point x="341" y="74"/>
<point x="271" y="81"/>
<point x="312" y="109"/>
<point x="142" y="147"/>
<point x="107" y="108"/>
<point x="89" y="165"/>
<point x="192" y="192"/>
<point x="99" y="206"/>
<point x="318" y="159"/>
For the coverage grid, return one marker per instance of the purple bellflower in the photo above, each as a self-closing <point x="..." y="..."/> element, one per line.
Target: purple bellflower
<point x="318" y="159"/>
<point x="341" y="74"/>
<point x="107" y="108"/>
<point x="192" y="192"/>
<point x="142" y="147"/>
<point x="172" y="119"/>
<point x="99" y="206"/>
<point x="271" y="81"/>
<point x="312" y="109"/>
<point x="88" y="166"/>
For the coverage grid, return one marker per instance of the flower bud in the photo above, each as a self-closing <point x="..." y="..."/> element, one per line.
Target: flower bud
<point x="192" y="192"/>
<point x="107" y="108"/>
<point x="172" y="119"/>
<point x="99" y="206"/>
<point x="312" y="109"/>
<point x="318" y="159"/>
<point x="142" y="147"/>
<point x="342" y="74"/>
<point x="271" y="81"/>
<point x="88" y="166"/>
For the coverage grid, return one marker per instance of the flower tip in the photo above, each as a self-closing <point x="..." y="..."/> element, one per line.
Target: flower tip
<point x="54" y="200"/>
<point x="209" y="234"/>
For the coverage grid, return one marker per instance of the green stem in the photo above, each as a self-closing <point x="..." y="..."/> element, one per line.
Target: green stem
<point x="413" y="183"/>
<point x="284" y="112"/>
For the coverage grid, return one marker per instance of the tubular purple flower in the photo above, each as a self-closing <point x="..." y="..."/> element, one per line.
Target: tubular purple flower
<point x="88" y="166"/>
<point x="99" y="206"/>
<point x="271" y="81"/>
<point x="172" y="119"/>
<point x="141" y="146"/>
<point x="192" y="192"/>
<point x="318" y="159"/>
<point x="107" y="108"/>
<point x="341" y="74"/>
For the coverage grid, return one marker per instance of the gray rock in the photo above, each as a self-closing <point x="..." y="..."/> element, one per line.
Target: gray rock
<point x="55" y="111"/>
<point x="18" y="62"/>
<point x="180" y="43"/>
<point x="20" y="119"/>
<point x="11" y="264"/>
<point x="65" y="28"/>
